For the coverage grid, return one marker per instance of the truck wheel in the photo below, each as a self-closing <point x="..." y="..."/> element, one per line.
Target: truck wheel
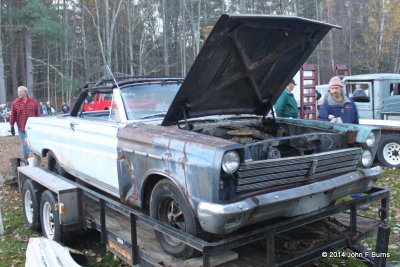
<point x="30" y="204"/>
<point x="168" y="206"/>
<point x="49" y="216"/>
<point x="52" y="164"/>
<point x="388" y="152"/>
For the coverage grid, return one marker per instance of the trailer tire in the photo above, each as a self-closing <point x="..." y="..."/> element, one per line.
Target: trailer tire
<point x="388" y="152"/>
<point x="49" y="217"/>
<point x="169" y="206"/>
<point x="31" y="204"/>
<point x="53" y="165"/>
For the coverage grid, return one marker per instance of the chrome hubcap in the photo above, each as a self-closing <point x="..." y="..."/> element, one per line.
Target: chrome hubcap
<point x="28" y="206"/>
<point x="391" y="153"/>
<point x="48" y="220"/>
<point x="171" y="213"/>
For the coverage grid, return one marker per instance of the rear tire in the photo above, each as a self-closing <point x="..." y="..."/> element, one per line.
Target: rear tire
<point x="388" y="152"/>
<point x="31" y="204"/>
<point x="169" y="206"/>
<point x="49" y="217"/>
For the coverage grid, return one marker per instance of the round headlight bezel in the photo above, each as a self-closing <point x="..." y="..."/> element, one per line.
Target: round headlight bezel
<point x="230" y="162"/>
<point x="366" y="158"/>
<point x="371" y="139"/>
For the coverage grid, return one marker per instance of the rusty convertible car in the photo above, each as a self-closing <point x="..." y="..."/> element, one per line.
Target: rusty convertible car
<point x="205" y="153"/>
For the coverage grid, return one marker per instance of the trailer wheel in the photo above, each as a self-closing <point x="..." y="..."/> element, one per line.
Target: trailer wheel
<point x="31" y="204"/>
<point x="53" y="165"/>
<point x="388" y="152"/>
<point x="49" y="216"/>
<point x="168" y="206"/>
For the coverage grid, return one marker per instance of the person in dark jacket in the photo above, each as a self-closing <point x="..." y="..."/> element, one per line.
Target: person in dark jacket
<point x="338" y="107"/>
<point x="286" y="106"/>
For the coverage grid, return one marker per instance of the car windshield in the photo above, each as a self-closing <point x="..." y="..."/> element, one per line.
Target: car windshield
<point x="148" y="100"/>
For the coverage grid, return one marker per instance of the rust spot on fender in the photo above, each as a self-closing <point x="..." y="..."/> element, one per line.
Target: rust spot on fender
<point x="132" y="194"/>
<point x="183" y="161"/>
<point x="351" y="137"/>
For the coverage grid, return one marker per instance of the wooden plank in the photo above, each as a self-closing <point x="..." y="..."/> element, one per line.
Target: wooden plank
<point x="119" y="224"/>
<point x="215" y="260"/>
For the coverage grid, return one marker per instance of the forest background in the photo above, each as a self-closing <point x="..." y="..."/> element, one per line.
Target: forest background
<point x="55" y="46"/>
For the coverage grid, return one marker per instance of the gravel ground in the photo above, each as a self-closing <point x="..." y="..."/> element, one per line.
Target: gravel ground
<point x="9" y="148"/>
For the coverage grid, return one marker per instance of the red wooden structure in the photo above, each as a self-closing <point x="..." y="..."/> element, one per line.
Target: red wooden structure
<point x="308" y="102"/>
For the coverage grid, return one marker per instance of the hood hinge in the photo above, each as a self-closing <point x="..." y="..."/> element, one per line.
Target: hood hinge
<point x="185" y="118"/>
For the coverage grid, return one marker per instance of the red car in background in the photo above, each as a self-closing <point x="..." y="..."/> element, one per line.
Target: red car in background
<point x="99" y="102"/>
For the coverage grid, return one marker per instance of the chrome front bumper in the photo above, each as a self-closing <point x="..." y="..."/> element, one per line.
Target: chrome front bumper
<point x="226" y="218"/>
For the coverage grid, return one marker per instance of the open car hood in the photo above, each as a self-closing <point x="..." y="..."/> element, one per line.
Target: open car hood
<point x="245" y="64"/>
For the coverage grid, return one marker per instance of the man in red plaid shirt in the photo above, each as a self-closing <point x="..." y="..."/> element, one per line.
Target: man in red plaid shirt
<point x="22" y="108"/>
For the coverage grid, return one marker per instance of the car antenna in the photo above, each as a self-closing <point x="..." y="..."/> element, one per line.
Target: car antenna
<point x="115" y="81"/>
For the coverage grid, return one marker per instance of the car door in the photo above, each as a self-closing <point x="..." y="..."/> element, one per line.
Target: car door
<point x="94" y="153"/>
<point x="93" y="157"/>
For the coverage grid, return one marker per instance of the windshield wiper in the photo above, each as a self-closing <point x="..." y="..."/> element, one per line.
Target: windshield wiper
<point x="154" y="116"/>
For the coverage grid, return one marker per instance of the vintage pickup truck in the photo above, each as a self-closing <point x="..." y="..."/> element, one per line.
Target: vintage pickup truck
<point x="202" y="154"/>
<point x="377" y="97"/>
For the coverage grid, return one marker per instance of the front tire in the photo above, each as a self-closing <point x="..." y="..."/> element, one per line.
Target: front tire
<point x="169" y="206"/>
<point x="49" y="217"/>
<point x="31" y="204"/>
<point x="388" y="152"/>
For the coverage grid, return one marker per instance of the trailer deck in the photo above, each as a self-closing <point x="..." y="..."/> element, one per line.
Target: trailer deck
<point x="129" y="233"/>
<point x="324" y="235"/>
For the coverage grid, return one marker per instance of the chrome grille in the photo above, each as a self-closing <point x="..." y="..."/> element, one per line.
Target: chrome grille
<point x="264" y="174"/>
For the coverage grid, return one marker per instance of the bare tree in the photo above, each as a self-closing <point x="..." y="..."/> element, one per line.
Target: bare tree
<point x="3" y="95"/>
<point x="165" y="38"/>
<point x="105" y="26"/>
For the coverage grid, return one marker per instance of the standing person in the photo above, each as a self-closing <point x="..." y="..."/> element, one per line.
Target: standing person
<point x="338" y="107"/>
<point x="286" y="106"/>
<point x="65" y="108"/>
<point x="43" y="109"/>
<point x="49" y="110"/>
<point x="22" y="108"/>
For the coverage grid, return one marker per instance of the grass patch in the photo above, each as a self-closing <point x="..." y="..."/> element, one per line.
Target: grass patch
<point x="14" y="241"/>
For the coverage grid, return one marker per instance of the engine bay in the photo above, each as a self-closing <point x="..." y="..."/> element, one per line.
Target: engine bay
<point x="267" y="139"/>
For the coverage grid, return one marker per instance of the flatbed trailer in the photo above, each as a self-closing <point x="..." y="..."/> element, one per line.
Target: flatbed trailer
<point x="129" y="233"/>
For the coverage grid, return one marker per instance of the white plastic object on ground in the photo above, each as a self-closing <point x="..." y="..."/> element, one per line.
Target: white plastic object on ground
<point x="42" y="251"/>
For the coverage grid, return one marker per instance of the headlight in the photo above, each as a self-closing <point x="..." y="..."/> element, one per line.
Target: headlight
<point x="230" y="162"/>
<point x="371" y="140"/>
<point x="366" y="158"/>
